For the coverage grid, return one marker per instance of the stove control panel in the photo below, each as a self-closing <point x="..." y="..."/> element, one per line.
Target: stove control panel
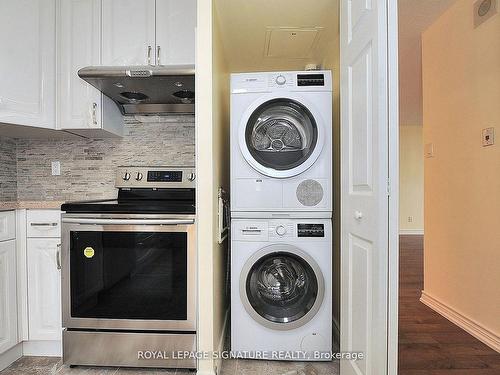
<point x="155" y="177"/>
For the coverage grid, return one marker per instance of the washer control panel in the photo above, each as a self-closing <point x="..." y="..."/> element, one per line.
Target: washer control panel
<point x="311" y="230"/>
<point x="281" y="229"/>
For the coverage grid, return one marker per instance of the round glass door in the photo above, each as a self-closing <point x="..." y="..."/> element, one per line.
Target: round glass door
<point x="283" y="289"/>
<point x="281" y="134"/>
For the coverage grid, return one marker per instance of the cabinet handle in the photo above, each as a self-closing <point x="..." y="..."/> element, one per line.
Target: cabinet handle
<point x="158" y="55"/>
<point x="149" y="54"/>
<point x="44" y="224"/>
<point x="94" y="113"/>
<point x="58" y="256"/>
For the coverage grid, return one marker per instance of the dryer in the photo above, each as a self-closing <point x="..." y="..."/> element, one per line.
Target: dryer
<point x="281" y="294"/>
<point x="281" y="143"/>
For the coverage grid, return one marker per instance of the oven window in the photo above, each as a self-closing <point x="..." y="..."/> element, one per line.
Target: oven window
<point x="128" y="275"/>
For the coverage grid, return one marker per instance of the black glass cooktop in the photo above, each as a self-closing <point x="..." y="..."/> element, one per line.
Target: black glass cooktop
<point x="161" y="201"/>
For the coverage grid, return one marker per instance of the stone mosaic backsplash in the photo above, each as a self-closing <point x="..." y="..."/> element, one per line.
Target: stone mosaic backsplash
<point x="88" y="165"/>
<point x="8" y="186"/>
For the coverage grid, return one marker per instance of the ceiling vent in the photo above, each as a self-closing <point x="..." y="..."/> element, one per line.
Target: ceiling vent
<point x="483" y="10"/>
<point x="291" y="42"/>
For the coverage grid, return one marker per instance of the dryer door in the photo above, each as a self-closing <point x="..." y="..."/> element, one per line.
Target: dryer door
<point x="281" y="136"/>
<point x="281" y="287"/>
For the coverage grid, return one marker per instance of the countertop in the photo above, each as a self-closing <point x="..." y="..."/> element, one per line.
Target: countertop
<point x="34" y="205"/>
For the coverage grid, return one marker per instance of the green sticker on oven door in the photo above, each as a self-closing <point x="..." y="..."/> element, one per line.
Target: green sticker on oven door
<point x="88" y="252"/>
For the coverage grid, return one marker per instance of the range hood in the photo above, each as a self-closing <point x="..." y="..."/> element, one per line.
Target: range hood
<point x="145" y="89"/>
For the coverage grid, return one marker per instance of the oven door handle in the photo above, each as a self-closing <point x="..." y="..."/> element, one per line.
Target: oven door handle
<point x="89" y="221"/>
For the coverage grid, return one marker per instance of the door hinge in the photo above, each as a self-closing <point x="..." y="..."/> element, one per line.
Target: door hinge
<point x="388" y="187"/>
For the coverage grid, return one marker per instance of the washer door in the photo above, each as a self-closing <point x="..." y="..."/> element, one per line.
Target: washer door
<point x="280" y="137"/>
<point x="281" y="287"/>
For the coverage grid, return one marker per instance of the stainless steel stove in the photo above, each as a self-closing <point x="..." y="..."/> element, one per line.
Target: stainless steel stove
<point x="129" y="272"/>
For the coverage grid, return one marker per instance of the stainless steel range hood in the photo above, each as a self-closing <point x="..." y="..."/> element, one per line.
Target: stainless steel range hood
<point x="145" y="89"/>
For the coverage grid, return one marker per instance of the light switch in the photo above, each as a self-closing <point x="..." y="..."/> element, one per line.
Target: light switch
<point x="429" y="150"/>
<point x="488" y="137"/>
<point x="56" y="168"/>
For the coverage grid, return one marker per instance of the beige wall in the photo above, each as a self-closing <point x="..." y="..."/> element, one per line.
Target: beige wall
<point x="212" y="165"/>
<point x="411" y="179"/>
<point x="461" y="81"/>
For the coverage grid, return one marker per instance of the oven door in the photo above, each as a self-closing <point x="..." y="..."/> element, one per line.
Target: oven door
<point x="134" y="272"/>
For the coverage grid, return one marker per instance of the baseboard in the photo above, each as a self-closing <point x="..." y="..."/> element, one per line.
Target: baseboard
<point x="10" y="356"/>
<point x="222" y="339"/>
<point x="475" y="329"/>
<point x="411" y="232"/>
<point x="42" y="348"/>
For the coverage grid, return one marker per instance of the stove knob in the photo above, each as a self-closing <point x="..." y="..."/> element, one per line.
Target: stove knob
<point x="139" y="176"/>
<point x="191" y="177"/>
<point x="280" y="230"/>
<point x="126" y="176"/>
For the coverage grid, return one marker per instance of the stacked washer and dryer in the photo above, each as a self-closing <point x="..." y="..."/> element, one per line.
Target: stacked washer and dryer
<point x="281" y="210"/>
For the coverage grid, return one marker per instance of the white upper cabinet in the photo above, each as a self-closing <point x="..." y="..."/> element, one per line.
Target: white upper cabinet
<point x="27" y="63"/>
<point x="79" y="45"/>
<point x="128" y="32"/>
<point x="81" y="108"/>
<point x="175" y="31"/>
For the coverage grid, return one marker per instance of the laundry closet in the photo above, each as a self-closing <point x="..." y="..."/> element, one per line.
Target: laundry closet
<point x="264" y="58"/>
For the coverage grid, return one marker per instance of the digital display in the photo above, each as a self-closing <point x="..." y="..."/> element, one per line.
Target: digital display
<point x="311" y="230"/>
<point x="310" y="79"/>
<point x="165" y="176"/>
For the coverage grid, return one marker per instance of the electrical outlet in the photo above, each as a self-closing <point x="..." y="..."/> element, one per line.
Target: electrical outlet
<point x="410" y="219"/>
<point x="488" y="137"/>
<point x="56" y="168"/>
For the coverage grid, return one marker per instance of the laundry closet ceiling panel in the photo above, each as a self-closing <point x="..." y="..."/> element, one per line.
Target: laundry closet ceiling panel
<point x="263" y="35"/>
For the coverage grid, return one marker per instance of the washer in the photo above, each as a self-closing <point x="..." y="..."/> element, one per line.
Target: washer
<point x="281" y="296"/>
<point x="281" y="142"/>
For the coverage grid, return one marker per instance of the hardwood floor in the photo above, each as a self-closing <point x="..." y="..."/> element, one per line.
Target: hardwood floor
<point x="428" y="343"/>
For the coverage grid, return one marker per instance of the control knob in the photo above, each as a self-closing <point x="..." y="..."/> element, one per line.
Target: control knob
<point x="126" y="176"/>
<point x="139" y="176"/>
<point x="280" y="80"/>
<point x="280" y="230"/>
<point x="191" y="177"/>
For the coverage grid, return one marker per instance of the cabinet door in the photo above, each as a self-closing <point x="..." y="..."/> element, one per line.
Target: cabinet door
<point x="128" y="32"/>
<point x="79" y="45"/>
<point x="44" y="290"/>
<point x="8" y="301"/>
<point x="27" y="81"/>
<point x="175" y="31"/>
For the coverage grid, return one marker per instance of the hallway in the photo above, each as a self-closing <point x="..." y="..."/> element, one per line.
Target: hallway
<point x="429" y="344"/>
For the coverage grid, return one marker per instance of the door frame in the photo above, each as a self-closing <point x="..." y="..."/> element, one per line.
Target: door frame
<point x="393" y="186"/>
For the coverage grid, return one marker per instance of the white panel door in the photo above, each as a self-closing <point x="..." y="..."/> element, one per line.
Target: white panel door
<point x="365" y="172"/>
<point x="44" y="289"/>
<point x="79" y="45"/>
<point x="175" y="28"/>
<point x="128" y="32"/>
<point x="27" y="63"/>
<point x="8" y="301"/>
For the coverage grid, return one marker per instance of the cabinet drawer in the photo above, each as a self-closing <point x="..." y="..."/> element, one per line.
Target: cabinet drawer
<point x="7" y="225"/>
<point x="44" y="223"/>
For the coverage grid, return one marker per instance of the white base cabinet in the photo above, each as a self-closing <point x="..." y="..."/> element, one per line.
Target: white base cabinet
<point x="8" y="298"/>
<point x="44" y="289"/>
